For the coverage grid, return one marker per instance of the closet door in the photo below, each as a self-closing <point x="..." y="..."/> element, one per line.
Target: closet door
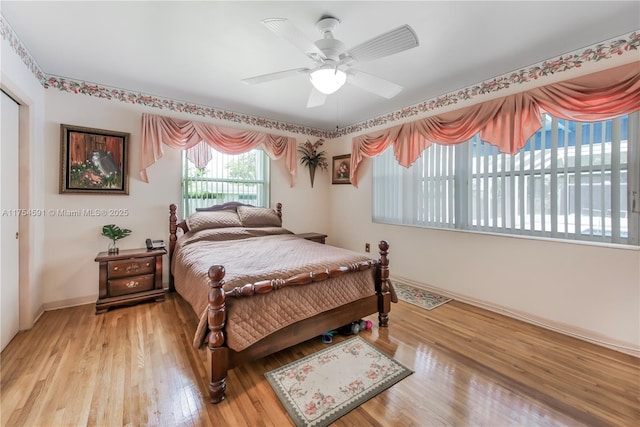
<point x="9" y="294"/>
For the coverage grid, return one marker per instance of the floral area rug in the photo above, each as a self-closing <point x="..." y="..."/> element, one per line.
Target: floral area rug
<point x="419" y="297"/>
<point x="322" y="387"/>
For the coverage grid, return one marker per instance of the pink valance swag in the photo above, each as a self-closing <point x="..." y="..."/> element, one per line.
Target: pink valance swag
<point x="508" y="122"/>
<point x="192" y="136"/>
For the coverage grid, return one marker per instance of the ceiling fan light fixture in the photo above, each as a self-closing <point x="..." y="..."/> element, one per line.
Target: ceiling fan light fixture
<point x="328" y="79"/>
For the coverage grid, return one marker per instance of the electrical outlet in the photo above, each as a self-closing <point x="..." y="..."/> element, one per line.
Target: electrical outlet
<point x="367" y="248"/>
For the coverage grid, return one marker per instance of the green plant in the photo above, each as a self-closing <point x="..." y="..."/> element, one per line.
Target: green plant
<point x="114" y="232"/>
<point x="311" y="157"/>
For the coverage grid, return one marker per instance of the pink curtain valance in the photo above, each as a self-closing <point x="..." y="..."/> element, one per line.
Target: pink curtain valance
<point x="196" y="136"/>
<point x="508" y="122"/>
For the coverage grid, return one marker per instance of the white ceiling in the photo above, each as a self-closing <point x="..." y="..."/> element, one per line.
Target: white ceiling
<point x="198" y="52"/>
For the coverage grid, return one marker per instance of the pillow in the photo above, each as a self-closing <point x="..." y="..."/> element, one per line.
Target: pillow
<point x="259" y="217"/>
<point x="215" y="219"/>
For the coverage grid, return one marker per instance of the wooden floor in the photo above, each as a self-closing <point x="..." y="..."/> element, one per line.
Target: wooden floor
<point x="135" y="366"/>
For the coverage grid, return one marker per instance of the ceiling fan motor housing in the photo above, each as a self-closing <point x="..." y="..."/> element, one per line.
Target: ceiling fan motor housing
<point x="331" y="47"/>
<point x="328" y="24"/>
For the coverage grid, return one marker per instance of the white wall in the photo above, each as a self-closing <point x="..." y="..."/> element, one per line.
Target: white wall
<point x="72" y="243"/>
<point x="19" y="82"/>
<point x="581" y="289"/>
<point x="305" y="209"/>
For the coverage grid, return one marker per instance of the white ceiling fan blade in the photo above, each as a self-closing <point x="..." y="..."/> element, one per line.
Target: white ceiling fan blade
<point x="285" y="29"/>
<point x="373" y="84"/>
<point x="274" y="76"/>
<point x="316" y="98"/>
<point x="394" y="41"/>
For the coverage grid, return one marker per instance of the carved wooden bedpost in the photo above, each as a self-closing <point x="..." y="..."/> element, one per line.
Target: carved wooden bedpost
<point x="217" y="317"/>
<point x="279" y="210"/>
<point x="173" y="229"/>
<point x="382" y="285"/>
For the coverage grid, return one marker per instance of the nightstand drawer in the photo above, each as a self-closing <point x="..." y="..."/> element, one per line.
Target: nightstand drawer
<point x="130" y="267"/>
<point x="130" y="285"/>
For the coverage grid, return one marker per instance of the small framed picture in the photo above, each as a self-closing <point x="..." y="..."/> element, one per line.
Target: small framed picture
<point x="340" y="169"/>
<point x="93" y="161"/>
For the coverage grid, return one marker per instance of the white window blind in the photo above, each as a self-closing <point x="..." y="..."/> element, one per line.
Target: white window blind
<point x="240" y="178"/>
<point x="420" y="195"/>
<point x="571" y="181"/>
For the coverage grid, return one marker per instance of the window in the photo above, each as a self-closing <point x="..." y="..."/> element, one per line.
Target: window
<point x="241" y="178"/>
<point x="570" y="181"/>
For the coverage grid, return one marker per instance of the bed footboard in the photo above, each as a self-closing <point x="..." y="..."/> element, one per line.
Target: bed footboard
<point x="265" y="286"/>
<point x="218" y="354"/>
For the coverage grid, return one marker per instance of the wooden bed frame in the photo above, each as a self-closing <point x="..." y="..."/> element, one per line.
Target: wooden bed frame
<point x="221" y="358"/>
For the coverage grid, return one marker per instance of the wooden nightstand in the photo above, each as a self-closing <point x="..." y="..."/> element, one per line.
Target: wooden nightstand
<point x="128" y="277"/>
<point x="314" y="237"/>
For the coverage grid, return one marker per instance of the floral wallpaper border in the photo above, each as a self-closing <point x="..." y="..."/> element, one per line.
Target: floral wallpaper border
<point x="8" y="34"/>
<point x="602" y="51"/>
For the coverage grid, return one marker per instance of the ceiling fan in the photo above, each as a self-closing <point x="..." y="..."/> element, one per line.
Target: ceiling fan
<point x="333" y="62"/>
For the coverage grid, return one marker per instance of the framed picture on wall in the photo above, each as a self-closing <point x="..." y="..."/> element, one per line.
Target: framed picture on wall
<point x="340" y="169"/>
<point x="93" y="161"/>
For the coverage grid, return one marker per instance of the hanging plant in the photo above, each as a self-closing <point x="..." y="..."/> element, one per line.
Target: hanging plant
<point x="313" y="158"/>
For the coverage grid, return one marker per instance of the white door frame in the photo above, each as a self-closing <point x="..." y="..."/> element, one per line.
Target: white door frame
<point x="10" y="265"/>
<point x="30" y="302"/>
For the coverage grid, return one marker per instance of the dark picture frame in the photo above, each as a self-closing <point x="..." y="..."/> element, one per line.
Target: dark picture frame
<point x="93" y="161"/>
<point x="340" y="169"/>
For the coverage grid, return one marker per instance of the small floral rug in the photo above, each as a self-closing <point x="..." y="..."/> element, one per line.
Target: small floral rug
<point x="322" y="387"/>
<point x="419" y="297"/>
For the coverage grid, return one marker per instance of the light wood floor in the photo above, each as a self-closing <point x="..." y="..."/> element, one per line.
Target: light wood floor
<point x="135" y="366"/>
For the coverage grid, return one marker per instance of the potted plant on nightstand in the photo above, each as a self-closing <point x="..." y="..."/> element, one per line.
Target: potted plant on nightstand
<point x="114" y="233"/>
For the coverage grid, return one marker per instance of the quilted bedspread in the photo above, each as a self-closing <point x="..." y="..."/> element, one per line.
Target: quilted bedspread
<point x="253" y="254"/>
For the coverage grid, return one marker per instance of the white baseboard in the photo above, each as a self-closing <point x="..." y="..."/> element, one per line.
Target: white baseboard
<point x="572" y="331"/>
<point x="71" y="302"/>
<point x="39" y="314"/>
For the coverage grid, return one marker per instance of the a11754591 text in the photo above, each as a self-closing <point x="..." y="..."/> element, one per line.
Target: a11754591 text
<point x="84" y="212"/>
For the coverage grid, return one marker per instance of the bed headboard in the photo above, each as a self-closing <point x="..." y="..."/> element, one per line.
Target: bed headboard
<point x="229" y="206"/>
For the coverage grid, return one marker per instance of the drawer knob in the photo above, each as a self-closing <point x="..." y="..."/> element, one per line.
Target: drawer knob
<point x="132" y="284"/>
<point x="115" y="268"/>
<point x="148" y="264"/>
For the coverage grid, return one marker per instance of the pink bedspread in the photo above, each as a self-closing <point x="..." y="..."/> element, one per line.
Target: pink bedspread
<point x="251" y="255"/>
